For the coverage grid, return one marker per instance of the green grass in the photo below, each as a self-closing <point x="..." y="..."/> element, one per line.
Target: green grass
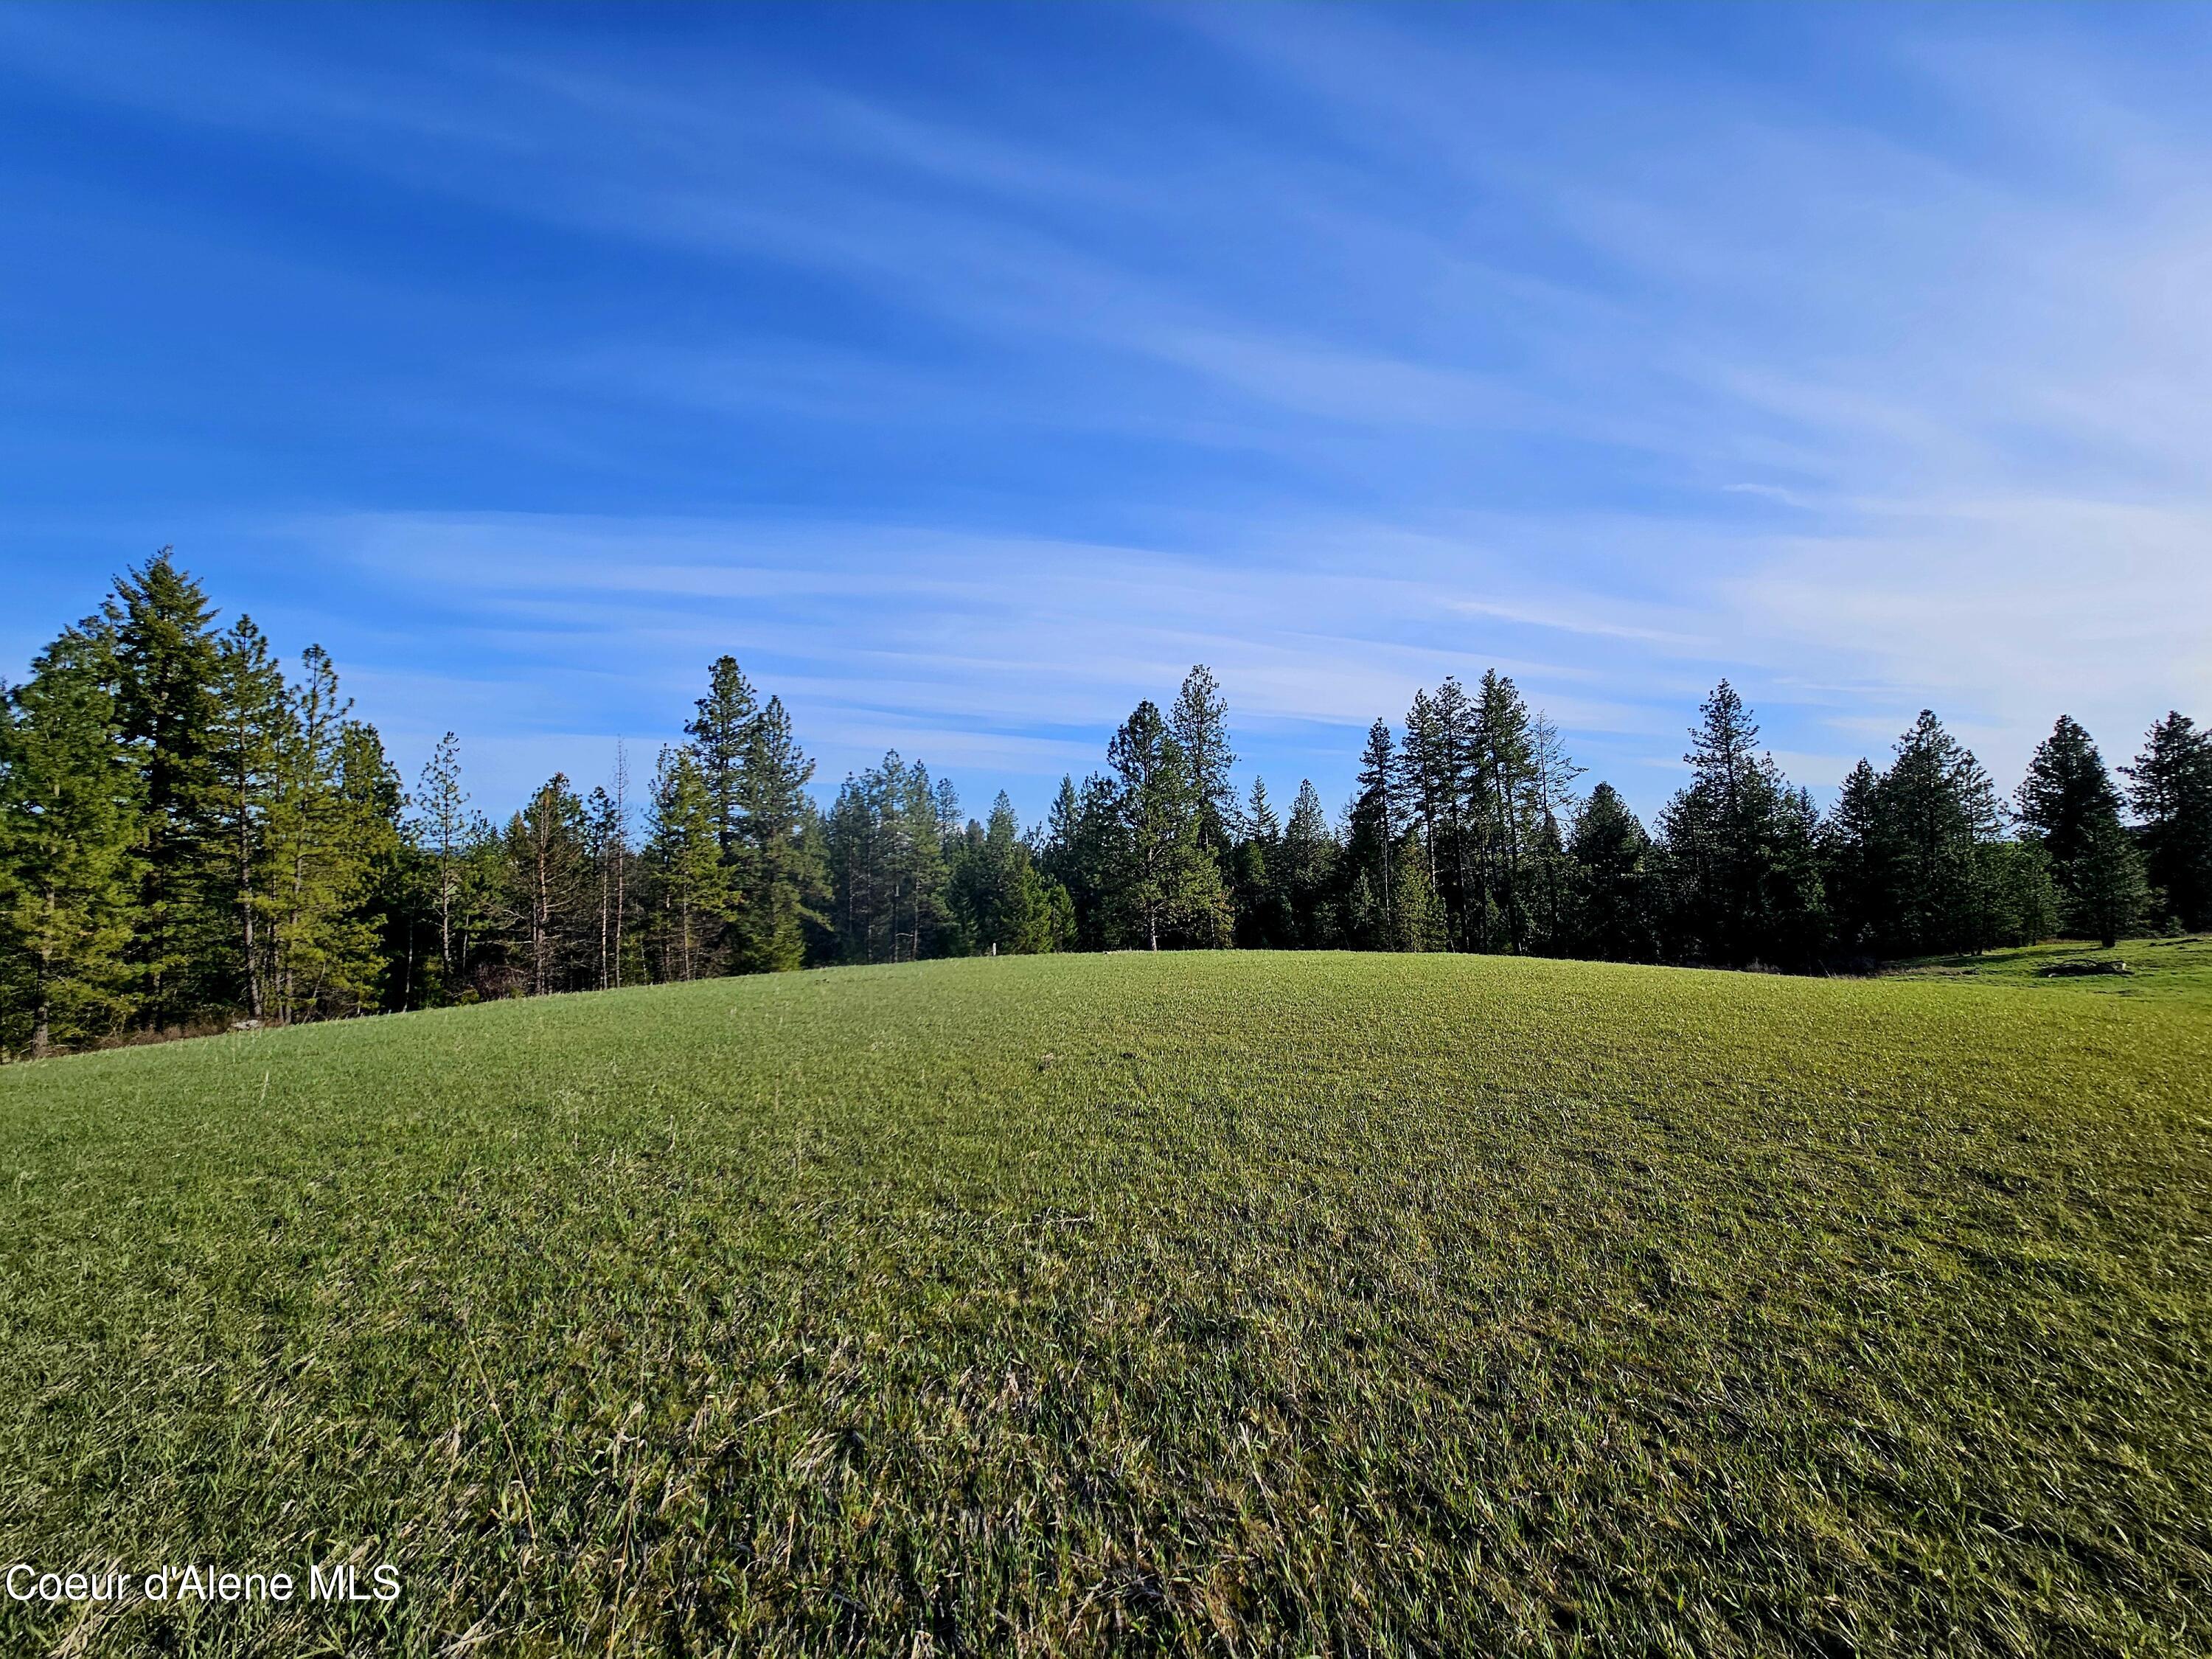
<point x="2167" y="969"/>
<point x="1237" y="1303"/>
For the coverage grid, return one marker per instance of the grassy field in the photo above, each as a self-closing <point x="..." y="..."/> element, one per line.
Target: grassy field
<point x="2163" y="970"/>
<point x="1237" y="1303"/>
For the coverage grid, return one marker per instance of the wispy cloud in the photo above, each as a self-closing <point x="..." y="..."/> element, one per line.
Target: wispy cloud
<point x="1868" y="361"/>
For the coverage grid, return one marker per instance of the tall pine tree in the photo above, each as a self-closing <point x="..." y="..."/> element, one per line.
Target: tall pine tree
<point x="248" y="738"/>
<point x="1609" y="902"/>
<point x="165" y="652"/>
<point x="1169" y="889"/>
<point x="2170" y="787"/>
<point x="1740" y="866"/>
<point x="2067" y="803"/>
<point x="72" y="839"/>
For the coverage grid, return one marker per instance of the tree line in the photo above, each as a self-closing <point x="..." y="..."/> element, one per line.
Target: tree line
<point x="191" y="837"/>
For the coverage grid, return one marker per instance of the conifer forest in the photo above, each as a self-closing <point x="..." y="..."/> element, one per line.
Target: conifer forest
<point x="197" y="833"/>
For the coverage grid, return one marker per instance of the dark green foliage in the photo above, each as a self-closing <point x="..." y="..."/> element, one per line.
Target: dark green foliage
<point x="2022" y="897"/>
<point x="1004" y="906"/>
<point x="721" y="736"/>
<point x="781" y="882"/>
<point x="614" y="864"/>
<point x="1741" y="869"/>
<point x="687" y="896"/>
<point x="249" y="742"/>
<point x="1485" y="785"/>
<point x="887" y="865"/>
<point x="1939" y="812"/>
<point x="276" y="872"/>
<point x="1264" y="921"/>
<point x="165" y="654"/>
<point x="334" y="816"/>
<point x="1168" y="888"/>
<point x="1199" y="724"/>
<point x="1916" y="859"/>
<point x="1415" y="920"/>
<point x="2110" y="896"/>
<point x="2064" y="802"/>
<point x="1856" y="851"/>
<point x="764" y="822"/>
<point x="2170" y="787"/>
<point x="1609" y="903"/>
<point x="1083" y="854"/>
<point x="1306" y="873"/>
<point x="71" y="846"/>
<point x="383" y="900"/>
<point x="547" y="847"/>
<point x="1504" y="814"/>
<point x="1370" y="844"/>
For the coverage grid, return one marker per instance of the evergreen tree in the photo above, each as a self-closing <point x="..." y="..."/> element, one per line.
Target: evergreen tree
<point x="721" y="733"/>
<point x="1416" y="921"/>
<point x="1371" y="839"/>
<point x="1793" y="903"/>
<point x="780" y="880"/>
<point x="688" y="887"/>
<point x="859" y="879"/>
<point x="1199" y="722"/>
<point x="2024" y="902"/>
<point x="2063" y="802"/>
<point x="608" y="834"/>
<point x="71" y="837"/>
<point x="1938" y="811"/>
<point x="1005" y="908"/>
<point x="2170" y="787"/>
<point x="487" y="923"/>
<point x="1363" y="914"/>
<point x="1609" y="904"/>
<point x="624" y="857"/>
<point x="548" y="851"/>
<point x="1740" y="864"/>
<point x="184" y="835"/>
<point x="1442" y="789"/>
<point x="1713" y="828"/>
<point x="373" y="948"/>
<point x="443" y="830"/>
<point x="2109" y="894"/>
<point x="918" y="921"/>
<point x="320" y="869"/>
<point x="1422" y="792"/>
<point x="1308" y="867"/>
<point x="165" y="654"/>
<point x="1550" y="805"/>
<point x="249" y="729"/>
<point x="887" y="853"/>
<point x="1914" y="861"/>
<point x="1507" y="813"/>
<point x="1169" y="886"/>
<point x="1255" y="891"/>
<point x="1856" y="857"/>
<point x="1084" y="855"/>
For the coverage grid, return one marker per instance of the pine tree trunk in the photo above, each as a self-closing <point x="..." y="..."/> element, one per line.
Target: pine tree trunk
<point x="622" y="861"/>
<point x="42" y="1024"/>
<point x="445" y="911"/>
<point x="539" y="918"/>
<point x="253" y="997"/>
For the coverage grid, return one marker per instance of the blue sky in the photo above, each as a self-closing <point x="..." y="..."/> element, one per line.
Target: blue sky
<point x="970" y="373"/>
